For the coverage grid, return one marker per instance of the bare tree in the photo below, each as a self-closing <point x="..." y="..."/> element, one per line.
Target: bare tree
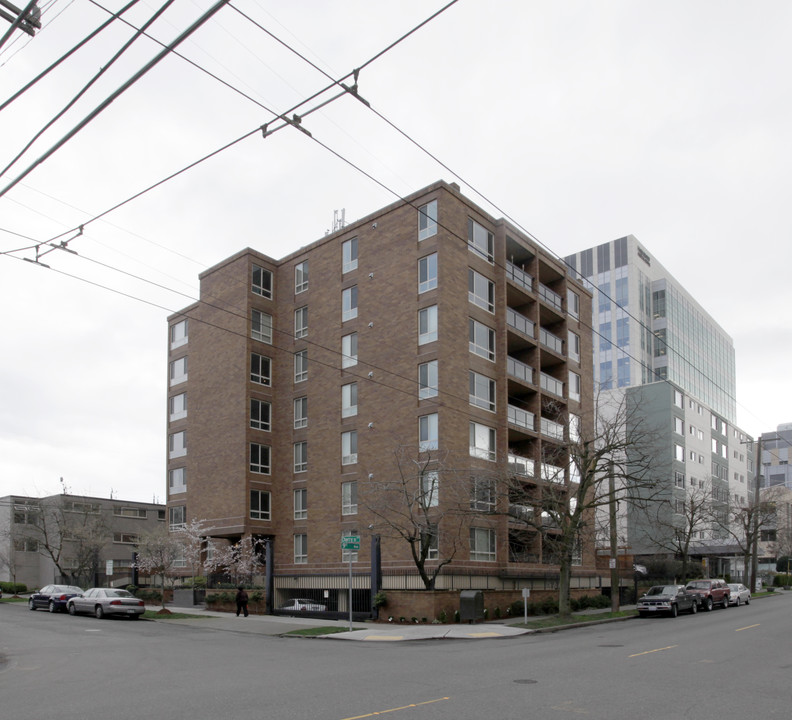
<point x="422" y="502"/>
<point x="157" y="554"/>
<point x="583" y="475"/>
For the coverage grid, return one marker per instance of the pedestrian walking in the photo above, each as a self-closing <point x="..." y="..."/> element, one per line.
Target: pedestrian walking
<point x="242" y="601"/>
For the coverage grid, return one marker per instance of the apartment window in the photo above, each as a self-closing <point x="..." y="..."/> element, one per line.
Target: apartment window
<point x="178" y="371"/>
<point x="621" y="298"/>
<point x="604" y="336"/>
<point x="261" y="282"/>
<point x="260" y="369"/>
<point x="349" y="303"/>
<point x="259" y="505"/>
<point x="574" y="346"/>
<point x="678" y="399"/>
<point x="259" y="459"/>
<point x="300" y="412"/>
<point x="349" y="399"/>
<point x="178" y="406"/>
<point x="482" y="441"/>
<point x="300" y="549"/>
<point x="349" y="350"/>
<point x="481" y="241"/>
<point x="301" y="504"/>
<point x="25" y="545"/>
<point x="482" y="495"/>
<point x="427" y="220"/>
<point x="574" y="386"/>
<point x="604" y="297"/>
<point x="679" y="479"/>
<point x="574" y="428"/>
<point x="623" y="332"/>
<point x="349" y="498"/>
<point x="679" y="506"/>
<point x="349" y="255"/>
<point x="349" y="447"/>
<point x="177" y="444"/>
<point x="122" y="538"/>
<point x="300" y="457"/>
<point x="300" y="366"/>
<point x="301" y="322"/>
<point x="428" y="432"/>
<point x="679" y="453"/>
<point x="679" y="426"/>
<point x="692" y="455"/>
<point x="301" y="277"/>
<point x="606" y="375"/>
<point x="481" y="291"/>
<point x="481" y="391"/>
<point x="427" y="273"/>
<point x="430" y="483"/>
<point x="573" y="303"/>
<point x="261" y="327"/>
<point x="177" y="480"/>
<point x="177" y="518"/>
<point x="178" y="334"/>
<point x="427" y="380"/>
<point x="482" y="544"/>
<point x="481" y="339"/>
<point x="427" y="325"/>
<point x="429" y="540"/>
<point x="260" y="414"/>
<point x="623" y="372"/>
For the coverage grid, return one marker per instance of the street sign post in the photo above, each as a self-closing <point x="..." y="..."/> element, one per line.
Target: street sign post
<point x="350" y="542"/>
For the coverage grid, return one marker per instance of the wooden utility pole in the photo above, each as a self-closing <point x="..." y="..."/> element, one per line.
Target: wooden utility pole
<point x="26" y="20"/>
<point x="614" y="541"/>
<point x="755" y="513"/>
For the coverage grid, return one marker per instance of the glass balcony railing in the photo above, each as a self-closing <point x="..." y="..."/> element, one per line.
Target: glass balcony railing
<point x="552" y="473"/>
<point x="550" y="297"/>
<point x="520" y="370"/>
<point x="521" y="418"/>
<point x="551" y="341"/>
<point x="556" y="387"/>
<point x="520" y="465"/>
<point x="519" y="277"/>
<point x="552" y="429"/>
<point x="520" y="323"/>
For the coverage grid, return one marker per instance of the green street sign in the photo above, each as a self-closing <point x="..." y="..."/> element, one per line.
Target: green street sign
<point x="350" y="542"/>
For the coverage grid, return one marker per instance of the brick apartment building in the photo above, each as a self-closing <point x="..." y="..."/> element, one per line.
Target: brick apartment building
<point x="426" y="330"/>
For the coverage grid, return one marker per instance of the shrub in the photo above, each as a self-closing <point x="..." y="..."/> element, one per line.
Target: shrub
<point x="380" y="600"/>
<point x="13" y="588"/>
<point x="456" y="616"/>
<point x="221" y="597"/>
<point x="443" y="617"/>
<point x="496" y="613"/>
<point x="782" y="580"/>
<point x="151" y="596"/>
<point x="132" y="589"/>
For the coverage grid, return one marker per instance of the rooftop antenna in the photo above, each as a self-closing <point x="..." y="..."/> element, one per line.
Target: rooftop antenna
<point x="339" y="221"/>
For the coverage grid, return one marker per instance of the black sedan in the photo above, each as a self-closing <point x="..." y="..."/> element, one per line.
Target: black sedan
<point x="670" y="599"/>
<point x="53" y="597"/>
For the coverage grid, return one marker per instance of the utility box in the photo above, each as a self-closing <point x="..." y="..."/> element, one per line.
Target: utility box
<point x="471" y="605"/>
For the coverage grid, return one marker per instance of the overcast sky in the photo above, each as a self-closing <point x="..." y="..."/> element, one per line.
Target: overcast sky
<point x="583" y="121"/>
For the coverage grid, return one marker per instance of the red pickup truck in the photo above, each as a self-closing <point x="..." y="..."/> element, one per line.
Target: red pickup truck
<point x="710" y="593"/>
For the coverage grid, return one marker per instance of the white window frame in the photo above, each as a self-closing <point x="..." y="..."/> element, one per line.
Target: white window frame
<point x="349" y="255"/>
<point x="260" y="377"/>
<point x="301" y="322"/>
<point x="429" y="489"/>
<point x="428" y="432"/>
<point x="301" y="366"/>
<point x="481" y="391"/>
<point x="481" y="291"/>
<point x="300" y="412"/>
<point x="261" y="326"/>
<point x="260" y="414"/>
<point x="427" y="380"/>
<point x="300" y="277"/>
<point x="349" y="303"/>
<point x="349" y="350"/>
<point x="177" y="482"/>
<point x="573" y="304"/>
<point x="260" y="461"/>
<point x="300" y="504"/>
<point x="259" y="512"/>
<point x="482" y="494"/>
<point x="483" y="544"/>
<point x="481" y="241"/>
<point x="349" y="498"/>
<point x="301" y="456"/>
<point x="427" y="220"/>
<point x="427" y="273"/>
<point x="300" y="549"/>
<point x="427" y="325"/>
<point x="178" y="334"/>
<point x="349" y="447"/>
<point x="475" y="329"/>
<point x="483" y="442"/>
<point x="177" y="406"/>
<point x="177" y="444"/>
<point x="177" y="518"/>
<point x="178" y="371"/>
<point x="574" y="386"/>
<point x="573" y="344"/>
<point x="261" y="286"/>
<point x="349" y="400"/>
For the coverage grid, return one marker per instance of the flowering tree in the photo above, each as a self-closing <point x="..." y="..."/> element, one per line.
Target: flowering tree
<point x="192" y="537"/>
<point x="241" y="560"/>
<point x="157" y="555"/>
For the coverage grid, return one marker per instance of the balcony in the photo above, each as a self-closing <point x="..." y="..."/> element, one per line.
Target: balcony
<point x="519" y="370"/>
<point x="519" y="277"/>
<point x="550" y="341"/>
<point x="520" y="323"/>
<point x="521" y="418"/>
<point x="521" y="512"/>
<point x="551" y="429"/>
<point x="551" y="298"/>
<point x="520" y="465"/>
<point x="552" y="474"/>
<point x="551" y="385"/>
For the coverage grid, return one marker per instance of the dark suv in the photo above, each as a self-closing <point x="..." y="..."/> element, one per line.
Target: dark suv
<point x="710" y="593"/>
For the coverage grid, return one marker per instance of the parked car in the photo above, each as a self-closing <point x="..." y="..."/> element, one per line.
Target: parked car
<point x="53" y="597"/>
<point x="302" y="605"/>
<point x="710" y="593"/>
<point x="739" y="594"/>
<point x="671" y="599"/>
<point x="107" y="601"/>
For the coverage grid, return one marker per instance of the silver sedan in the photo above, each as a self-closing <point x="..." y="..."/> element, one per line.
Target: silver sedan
<point x="102" y="602"/>
<point x="739" y="594"/>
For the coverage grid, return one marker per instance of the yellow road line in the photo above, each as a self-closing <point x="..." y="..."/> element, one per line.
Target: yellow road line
<point x="403" y="707"/>
<point x="647" y="652"/>
<point x="748" y="627"/>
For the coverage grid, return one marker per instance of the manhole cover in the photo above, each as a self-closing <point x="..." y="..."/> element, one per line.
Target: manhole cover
<point x="526" y="682"/>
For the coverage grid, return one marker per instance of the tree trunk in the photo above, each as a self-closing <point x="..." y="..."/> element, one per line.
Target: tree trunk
<point x="564" y="574"/>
